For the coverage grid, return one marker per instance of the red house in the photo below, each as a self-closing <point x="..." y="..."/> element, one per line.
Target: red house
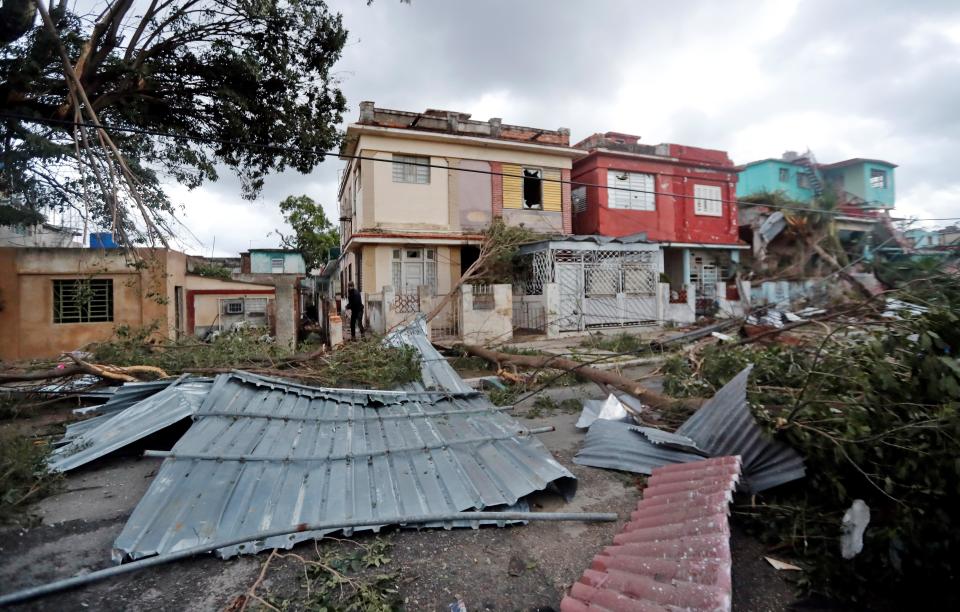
<point x="682" y="197"/>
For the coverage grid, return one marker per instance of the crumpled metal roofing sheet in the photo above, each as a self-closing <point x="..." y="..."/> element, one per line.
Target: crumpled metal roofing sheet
<point x="435" y="370"/>
<point x="617" y="445"/>
<point x="112" y="431"/>
<point x="724" y="425"/>
<point x="674" y="554"/>
<point x="265" y="454"/>
<point x="127" y="395"/>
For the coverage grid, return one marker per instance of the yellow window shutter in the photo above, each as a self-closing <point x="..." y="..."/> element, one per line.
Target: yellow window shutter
<point x="552" y="190"/>
<point x="512" y="186"/>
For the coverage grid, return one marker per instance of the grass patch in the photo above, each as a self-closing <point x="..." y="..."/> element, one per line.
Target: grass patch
<point x="24" y="478"/>
<point x="619" y="343"/>
<point x="545" y="405"/>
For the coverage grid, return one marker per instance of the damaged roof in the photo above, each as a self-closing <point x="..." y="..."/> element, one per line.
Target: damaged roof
<point x="96" y="437"/>
<point x="617" y="445"/>
<point x="674" y="554"/>
<point x="724" y="425"/>
<point x="264" y="454"/>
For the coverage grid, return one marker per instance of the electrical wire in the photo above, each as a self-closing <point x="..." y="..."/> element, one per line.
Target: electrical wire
<point x="323" y="153"/>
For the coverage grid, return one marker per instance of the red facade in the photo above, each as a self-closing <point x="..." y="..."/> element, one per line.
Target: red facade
<point x="677" y="170"/>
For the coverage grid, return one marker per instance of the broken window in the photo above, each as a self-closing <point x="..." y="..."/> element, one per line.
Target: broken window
<point x="532" y="188"/>
<point x="83" y="301"/>
<point x="784" y="175"/>
<point x="878" y="179"/>
<point x="411" y="169"/>
<point x="706" y="201"/>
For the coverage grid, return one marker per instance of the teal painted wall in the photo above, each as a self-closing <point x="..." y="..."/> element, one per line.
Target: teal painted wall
<point x="260" y="262"/>
<point x="881" y="197"/>
<point x="765" y="176"/>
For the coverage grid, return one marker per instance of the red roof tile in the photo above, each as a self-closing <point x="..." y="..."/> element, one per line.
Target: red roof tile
<point x="675" y="551"/>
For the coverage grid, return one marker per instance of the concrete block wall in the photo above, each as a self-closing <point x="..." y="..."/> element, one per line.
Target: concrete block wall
<point x="487" y="326"/>
<point x="680" y="314"/>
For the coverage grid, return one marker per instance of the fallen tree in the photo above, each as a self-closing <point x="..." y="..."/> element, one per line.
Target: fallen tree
<point x="604" y="378"/>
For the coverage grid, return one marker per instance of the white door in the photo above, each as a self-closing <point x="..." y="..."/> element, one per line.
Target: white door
<point x="412" y="276"/>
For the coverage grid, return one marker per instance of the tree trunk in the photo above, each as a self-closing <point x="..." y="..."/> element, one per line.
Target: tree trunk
<point x="601" y="377"/>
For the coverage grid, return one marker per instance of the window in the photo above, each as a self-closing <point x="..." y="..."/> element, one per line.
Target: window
<point x="255" y="307"/>
<point x="276" y="265"/>
<point x="803" y="180"/>
<point x="579" y="198"/>
<point x="408" y="270"/>
<point x="706" y="201"/>
<point x="411" y="169"/>
<point x="878" y="179"/>
<point x="532" y="188"/>
<point x="784" y="175"/>
<point x="83" y="301"/>
<point x="631" y="190"/>
<point x="232" y="307"/>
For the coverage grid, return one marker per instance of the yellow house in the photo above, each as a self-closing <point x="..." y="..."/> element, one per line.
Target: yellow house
<point x="419" y="189"/>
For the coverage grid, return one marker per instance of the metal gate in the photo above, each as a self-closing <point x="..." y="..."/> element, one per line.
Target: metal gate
<point x="606" y="289"/>
<point x="446" y="325"/>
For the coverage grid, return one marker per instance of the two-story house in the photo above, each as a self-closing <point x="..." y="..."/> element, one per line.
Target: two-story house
<point x="863" y="187"/>
<point x="864" y="190"/>
<point x="419" y="188"/>
<point x="679" y="196"/>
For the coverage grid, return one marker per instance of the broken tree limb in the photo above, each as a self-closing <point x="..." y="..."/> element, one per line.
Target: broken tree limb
<point x="72" y="370"/>
<point x="840" y="270"/>
<point x="601" y="377"/>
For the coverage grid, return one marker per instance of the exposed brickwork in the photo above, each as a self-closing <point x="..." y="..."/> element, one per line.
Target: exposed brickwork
<point x="496" y="189"/>
<point x="453" y="122"/>
<point x="675" y="551"/>
<point x="567" y="204"/>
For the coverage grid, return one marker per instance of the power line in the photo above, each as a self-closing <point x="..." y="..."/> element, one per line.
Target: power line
<point x="289" y="149"/>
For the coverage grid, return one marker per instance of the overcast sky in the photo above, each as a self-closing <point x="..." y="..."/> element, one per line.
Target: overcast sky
<point x="876" y="79"/>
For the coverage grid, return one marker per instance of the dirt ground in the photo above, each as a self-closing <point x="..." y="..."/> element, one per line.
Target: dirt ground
<point x="435" y="567"/>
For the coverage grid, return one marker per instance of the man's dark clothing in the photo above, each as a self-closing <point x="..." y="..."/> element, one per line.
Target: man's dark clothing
<point x="355" y="306"/>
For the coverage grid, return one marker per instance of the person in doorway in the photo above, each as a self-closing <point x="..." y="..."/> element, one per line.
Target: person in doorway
<point x="355" y="306"/>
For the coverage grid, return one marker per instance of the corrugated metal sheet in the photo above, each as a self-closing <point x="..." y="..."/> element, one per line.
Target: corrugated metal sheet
<point x="264" y="454"/>
<point x="674" y="554"/>
<point x="724" y="425"/>
<point x="435" y="370"/>
<point x="92" y="439"/>
<point x="127" y="395"/>
<point x="621" y="446"/>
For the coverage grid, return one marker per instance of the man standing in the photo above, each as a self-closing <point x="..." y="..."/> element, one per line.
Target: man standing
<point x="355" y="306"/>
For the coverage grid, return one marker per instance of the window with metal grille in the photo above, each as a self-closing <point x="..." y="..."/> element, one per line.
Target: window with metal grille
<point x="878" y="179"/>
<point x="579" y="197"/>
<point x="784" y="175"/>
<point x="411" y="169"/>
<point x="706" y="201"/>
<point x="803" y="180"/>
<point x="83" y="301"/>
<point x="256" y="306"/>
<point x="233" y="307"/>
<point x="631" y="190"/>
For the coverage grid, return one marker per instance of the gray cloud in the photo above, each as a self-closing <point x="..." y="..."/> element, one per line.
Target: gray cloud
<point x="879" y="79"/>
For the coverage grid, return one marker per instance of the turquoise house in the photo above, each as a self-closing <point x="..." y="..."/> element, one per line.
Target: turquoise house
<point x="866" y="183"/>
<point x="272" y="261"/>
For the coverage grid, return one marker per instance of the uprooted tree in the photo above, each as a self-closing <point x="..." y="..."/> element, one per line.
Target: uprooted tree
<point x="179" y="87"/>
